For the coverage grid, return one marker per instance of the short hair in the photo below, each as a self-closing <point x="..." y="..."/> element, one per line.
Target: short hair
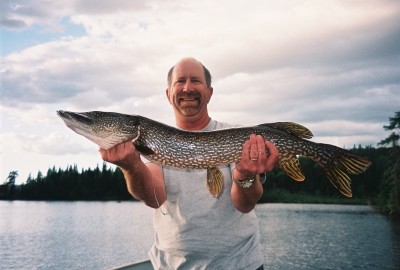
<point x="207" y="75"/>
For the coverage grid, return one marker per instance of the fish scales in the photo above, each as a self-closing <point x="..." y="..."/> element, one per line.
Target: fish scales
<point x="173" y="147"/>
<point x="194" y="150"/>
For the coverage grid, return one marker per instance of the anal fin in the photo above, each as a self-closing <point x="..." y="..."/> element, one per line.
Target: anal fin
<point x="215" y="181"/>
<point x="339" y="180"/>
<point x="291" y="166"/>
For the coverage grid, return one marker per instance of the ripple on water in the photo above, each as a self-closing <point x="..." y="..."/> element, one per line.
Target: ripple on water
<point x="298" y="236"/>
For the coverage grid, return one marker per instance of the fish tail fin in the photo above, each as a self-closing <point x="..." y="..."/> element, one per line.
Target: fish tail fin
<point x="291" y="166"/>
<point x="352" y="163"/>
<point x="215" y="181"/>
<point x="339" y="164"/>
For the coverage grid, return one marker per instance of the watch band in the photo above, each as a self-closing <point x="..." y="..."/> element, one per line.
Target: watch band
<point x="244" y="183"/>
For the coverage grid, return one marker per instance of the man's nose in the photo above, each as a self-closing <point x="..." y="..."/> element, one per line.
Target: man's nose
<point x="188" y="86"/>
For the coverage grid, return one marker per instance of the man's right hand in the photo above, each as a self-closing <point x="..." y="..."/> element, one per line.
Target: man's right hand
<point x="144" y="181"/>
<point x="124" y="155"/>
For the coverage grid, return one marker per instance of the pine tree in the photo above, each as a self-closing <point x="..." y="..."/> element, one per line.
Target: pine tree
<point x="389" y="196"/>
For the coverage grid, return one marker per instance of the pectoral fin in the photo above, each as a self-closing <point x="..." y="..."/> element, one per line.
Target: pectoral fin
<point x="215" y="181"/>
<point x="144" y="150"/>
<point x="291" y="166"/>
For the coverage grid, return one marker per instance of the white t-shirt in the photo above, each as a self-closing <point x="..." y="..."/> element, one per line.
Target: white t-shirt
<point x="194" y="230"/>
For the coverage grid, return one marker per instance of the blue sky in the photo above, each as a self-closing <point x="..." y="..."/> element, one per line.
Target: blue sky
<point x="332" y="66"/>
<point x="13" y="41"/>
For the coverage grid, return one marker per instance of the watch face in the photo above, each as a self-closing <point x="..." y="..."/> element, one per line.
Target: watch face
<point x="246" y="183"/>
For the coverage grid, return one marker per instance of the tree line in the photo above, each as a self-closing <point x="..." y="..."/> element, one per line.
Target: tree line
<point x="103" y="183"/>
<point x="380" y="184"/>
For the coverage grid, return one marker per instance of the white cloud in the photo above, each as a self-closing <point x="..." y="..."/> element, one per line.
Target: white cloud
<point x="54" y="144"/>
<point x="19" y="14"/>
<point x="31" y="115"/>
<point x="50" y="144"/>
<point x="330" y="65"/>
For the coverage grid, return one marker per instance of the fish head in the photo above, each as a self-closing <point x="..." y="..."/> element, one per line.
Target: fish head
<point x="106" y="129"/>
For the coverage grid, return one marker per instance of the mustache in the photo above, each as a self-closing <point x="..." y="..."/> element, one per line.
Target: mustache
<point x="191" y="95"/>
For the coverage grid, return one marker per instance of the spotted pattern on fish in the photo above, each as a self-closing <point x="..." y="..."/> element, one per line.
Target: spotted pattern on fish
<point x="169" y="146"/>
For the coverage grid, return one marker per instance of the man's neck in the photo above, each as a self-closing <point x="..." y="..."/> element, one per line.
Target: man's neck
<point x="191" y="123"/>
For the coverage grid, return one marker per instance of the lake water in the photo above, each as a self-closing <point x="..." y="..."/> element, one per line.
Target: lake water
<point x="101" y="235"/>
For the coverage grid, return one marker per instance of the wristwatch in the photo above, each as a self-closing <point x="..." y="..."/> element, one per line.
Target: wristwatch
<point x="244" y="183"/>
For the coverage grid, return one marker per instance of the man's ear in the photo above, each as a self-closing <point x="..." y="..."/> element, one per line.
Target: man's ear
<point x="211" y="90"/>
<point x="167" y="93"/>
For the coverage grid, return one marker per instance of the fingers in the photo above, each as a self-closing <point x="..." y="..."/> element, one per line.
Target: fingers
<point x="253" y="150"/>
<point x="262" y="155"/>
<point x="119" y="154"/>
<point x="258" y="155"/>
<point x="273" y="156"/>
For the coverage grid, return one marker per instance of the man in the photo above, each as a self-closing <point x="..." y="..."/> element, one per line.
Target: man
<point x="193" y="229"/>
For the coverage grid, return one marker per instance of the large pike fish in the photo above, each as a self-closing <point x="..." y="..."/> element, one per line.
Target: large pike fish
<point x="169" y="146"/>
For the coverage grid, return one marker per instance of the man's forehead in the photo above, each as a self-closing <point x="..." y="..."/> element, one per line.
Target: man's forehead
<point x="188" y="68"/>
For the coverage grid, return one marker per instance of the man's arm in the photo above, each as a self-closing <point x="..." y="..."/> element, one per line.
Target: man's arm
<point x="258" y="156"/>
<point x="144" y="181"/>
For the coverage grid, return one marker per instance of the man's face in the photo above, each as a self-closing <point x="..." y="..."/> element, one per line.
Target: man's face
<point x="188" y="92"/>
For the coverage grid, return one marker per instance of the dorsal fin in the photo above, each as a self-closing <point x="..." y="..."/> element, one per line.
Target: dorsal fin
<point x="290" y="128"/>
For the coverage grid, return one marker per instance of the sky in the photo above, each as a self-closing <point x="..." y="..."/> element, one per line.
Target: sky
<point x="332" y="66"/>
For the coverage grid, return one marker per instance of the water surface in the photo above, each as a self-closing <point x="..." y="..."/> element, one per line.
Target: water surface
<point x="303" y="236"/>
<point x="73" y="235"/>
<point x="101" y="235"/>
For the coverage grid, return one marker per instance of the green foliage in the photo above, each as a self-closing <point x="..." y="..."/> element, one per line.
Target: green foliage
<point x="10" y="180"/>
<point x="8" y="188"/>
<point x="284" y="196"/>
<point x="389" y="194"/>
<point x="103" y="183"/>
<point x="380" y="184"/>
<point x="365" y="186"/>
<point x="71" y="184"/>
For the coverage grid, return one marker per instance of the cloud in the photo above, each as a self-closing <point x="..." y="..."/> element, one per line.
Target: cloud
<point x="54" y="72"/>
<point x="53" y="143"/>
<point x="329" y="65"/>
<point x="31" y="116"/>
<point x="18" y="15"/>
<point x="122" y="52"/>
<point x="12" y="24"/>
<point x="101" y="7"/>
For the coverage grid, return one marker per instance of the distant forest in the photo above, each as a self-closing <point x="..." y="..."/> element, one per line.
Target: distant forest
<point x="379" y="185"/>
<point x="70" y="184"/>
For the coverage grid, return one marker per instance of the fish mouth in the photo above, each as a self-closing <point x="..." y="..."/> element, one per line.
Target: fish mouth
<point x="76" y="117"/>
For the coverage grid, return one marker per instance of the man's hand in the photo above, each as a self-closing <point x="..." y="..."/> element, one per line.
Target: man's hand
<point x="258" y="156"/>
<point x="124" y="155"/>
<point x="144" y="181"/>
